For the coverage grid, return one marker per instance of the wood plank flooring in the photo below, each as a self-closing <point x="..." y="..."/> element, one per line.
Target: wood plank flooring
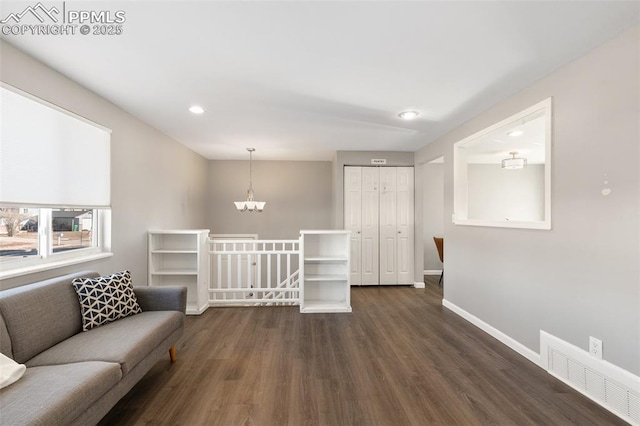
<point x="399" y="359"/>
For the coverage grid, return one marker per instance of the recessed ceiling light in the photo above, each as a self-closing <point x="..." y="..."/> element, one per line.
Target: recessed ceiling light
<point x="515" y="133"/>
<point x="196" y="109"/>
<point x="408" y="115"/>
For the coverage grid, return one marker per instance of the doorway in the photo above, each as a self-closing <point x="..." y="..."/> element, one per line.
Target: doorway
<point x="433" y="219"/>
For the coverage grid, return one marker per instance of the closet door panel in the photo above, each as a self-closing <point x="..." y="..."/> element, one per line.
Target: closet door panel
<point x="388" y="225"/>
<point x="369" y="261"/>
<point x="405" y="225"/>
<point x="353" y="219"/>
<point x="370" y="224"/>
<point x="355" y="268"/>
<point x="352" y="197"/>
<point x="388" y="262"/>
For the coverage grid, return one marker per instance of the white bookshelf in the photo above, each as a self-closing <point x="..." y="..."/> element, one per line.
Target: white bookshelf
<point x="180" y="257"/>
<point x="324" y="281"/>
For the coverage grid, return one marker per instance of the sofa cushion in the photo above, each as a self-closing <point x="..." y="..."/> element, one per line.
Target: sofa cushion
<point x="39" y="315"/>
<point x="126" y="341"/>
<point x="105" y="299"/>
<point x="5" y="339"/>
<point x="57" y="394"/>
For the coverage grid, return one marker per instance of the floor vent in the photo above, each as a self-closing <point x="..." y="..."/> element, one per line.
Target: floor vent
<point x="610" y="386"/>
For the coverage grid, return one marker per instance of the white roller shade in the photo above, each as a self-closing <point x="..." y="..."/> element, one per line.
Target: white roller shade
<point x="49" y="156"/>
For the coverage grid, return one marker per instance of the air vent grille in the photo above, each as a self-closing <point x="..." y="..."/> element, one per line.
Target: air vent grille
<point x="564" y="363"/>
<point x="634" y="407"/>
<point x="595" y="385"/>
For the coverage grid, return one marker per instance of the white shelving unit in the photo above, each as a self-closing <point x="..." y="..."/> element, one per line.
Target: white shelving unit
<point x="324" y="275"/>
<point x="180" y="257"/>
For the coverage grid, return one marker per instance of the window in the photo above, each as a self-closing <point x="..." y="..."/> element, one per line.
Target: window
<point x="66" y="230"/>
<point x="33" y="239"/>
<point x="18" y="233"/>
<point x="54" y="197"/>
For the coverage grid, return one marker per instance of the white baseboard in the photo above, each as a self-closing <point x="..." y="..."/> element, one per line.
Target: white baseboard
<point x="432" y="272"/>
<point x="418" y="284"/>
<point x="494" y="332"/>
<point x="193" y="309"/>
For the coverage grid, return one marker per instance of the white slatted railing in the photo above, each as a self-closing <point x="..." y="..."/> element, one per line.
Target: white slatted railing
<point x="254" y="272"/>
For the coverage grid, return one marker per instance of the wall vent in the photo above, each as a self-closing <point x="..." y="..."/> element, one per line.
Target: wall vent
<point x="610" y="386"/>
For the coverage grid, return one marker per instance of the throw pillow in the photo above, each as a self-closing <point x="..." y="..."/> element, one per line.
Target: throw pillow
<point x="10" y="371"/>
<point x="106" y="299"/>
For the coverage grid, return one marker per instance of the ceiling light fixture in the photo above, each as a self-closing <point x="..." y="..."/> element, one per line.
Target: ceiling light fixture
<point x="514" y="133"/>
<point x="250" y="204"/>
<point x="408" y="115"/>
<point x="196" y="109"/>
<point x="514" y="162"/>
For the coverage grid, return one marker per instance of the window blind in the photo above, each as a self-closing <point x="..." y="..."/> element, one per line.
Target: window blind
<point x="50" y="156"/>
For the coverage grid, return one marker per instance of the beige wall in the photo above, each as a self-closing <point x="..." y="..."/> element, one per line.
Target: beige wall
<point x="155" y="181"/>
<point x="493" y="194"/>
<point x="297" y="193"/>
<point x="581" y="278"/>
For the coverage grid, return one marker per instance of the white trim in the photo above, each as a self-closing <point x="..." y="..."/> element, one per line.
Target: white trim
<point x="233" y="236"/>
<point x="325" y="231"/>
<point x="328" y="309"/>
<point x="418" y="284"/>
<point x="432" y="272"/>
<point x="460" y="186"/>
<point x="177" y="231"/>
<point x="11" y="273"/>
<point x="195" y="310"/>
<point x="52" y="106"/>
<point x="494" y="332"/>
<point x="506" y="224"/>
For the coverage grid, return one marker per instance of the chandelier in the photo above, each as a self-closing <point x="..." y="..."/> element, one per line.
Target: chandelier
<point x="250" y="204"/>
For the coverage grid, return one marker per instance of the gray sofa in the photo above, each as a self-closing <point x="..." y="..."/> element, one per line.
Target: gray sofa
<point x="75" y="377"/>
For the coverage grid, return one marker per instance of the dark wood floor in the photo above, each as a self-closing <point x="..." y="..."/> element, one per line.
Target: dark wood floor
<point x="399" y="359"/>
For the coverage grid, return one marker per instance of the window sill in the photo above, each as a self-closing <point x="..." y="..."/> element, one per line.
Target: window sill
<point x="47" y="265"/>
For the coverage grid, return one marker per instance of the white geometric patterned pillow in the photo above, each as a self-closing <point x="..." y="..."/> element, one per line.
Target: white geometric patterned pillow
<point x="106" y="299"/>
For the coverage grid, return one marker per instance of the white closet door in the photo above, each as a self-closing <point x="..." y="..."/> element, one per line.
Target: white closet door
<point x="370" y="217"/>
<point x="353" y="219"/>
<point x="388" y="225"/>
<point x="378" y="210"/>
<point x="405" y="225"/>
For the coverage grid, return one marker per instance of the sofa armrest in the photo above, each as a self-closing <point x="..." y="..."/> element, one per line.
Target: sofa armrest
<point x="169" y="298"/>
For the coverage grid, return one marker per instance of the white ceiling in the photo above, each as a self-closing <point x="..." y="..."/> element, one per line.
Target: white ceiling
<point x="300" y="80"/>
<point x="497" y="145"/>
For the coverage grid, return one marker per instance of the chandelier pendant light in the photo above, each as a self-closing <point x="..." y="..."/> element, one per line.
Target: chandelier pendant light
<point x="514" y="162"/>
<point x="250" y="204"/>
